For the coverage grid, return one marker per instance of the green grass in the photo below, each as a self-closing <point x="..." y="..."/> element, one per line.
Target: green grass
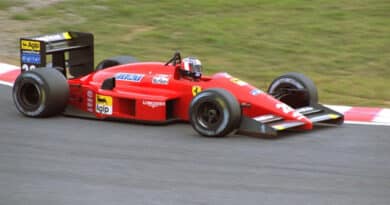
<point x="5" y="4"/>
<point x="21" y="17"/>
<point x="343" y="45"/>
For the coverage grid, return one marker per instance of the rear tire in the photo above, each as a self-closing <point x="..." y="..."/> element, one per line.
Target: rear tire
<point x="117" y="60"/>
<point x="42" y="92"/>
<point x="215" y="113"/>
<point x="304" y="92"/>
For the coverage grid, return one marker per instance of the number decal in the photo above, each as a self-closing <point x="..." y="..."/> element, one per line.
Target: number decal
<point x="287" y="109"/>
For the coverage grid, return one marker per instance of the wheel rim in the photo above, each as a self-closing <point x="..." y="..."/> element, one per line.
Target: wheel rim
<point x="30" y="96"/>
<point x="210" y="115"/>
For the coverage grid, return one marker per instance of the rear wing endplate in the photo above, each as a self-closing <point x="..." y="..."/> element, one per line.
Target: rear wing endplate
<point x="73" y="50"/>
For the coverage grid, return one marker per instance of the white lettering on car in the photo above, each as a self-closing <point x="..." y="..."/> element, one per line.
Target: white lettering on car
<point x="153" y="104"/>
<point x="287" y="110"/>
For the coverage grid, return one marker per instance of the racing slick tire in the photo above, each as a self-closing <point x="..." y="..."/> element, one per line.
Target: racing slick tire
<point x="117" y="60"/>
<point x="60" y="69"/>
<point x="215" y="113"/>
<point x="294" y="89"/>
<point x="42" y="92"/>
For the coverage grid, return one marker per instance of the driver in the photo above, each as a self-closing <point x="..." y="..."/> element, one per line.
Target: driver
<point x="191" y="67"/>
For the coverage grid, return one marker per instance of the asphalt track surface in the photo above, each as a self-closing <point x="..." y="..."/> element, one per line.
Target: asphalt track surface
<point x="64" y="160"/>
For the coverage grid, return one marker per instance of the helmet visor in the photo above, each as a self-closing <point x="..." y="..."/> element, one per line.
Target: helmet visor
<point x="196" y="66"/>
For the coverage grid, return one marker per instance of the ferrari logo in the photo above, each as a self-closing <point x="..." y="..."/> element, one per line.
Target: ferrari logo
<point x="196" y="89"/>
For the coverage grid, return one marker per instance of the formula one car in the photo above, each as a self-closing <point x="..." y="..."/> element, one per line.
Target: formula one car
<point x="58" y="76"/>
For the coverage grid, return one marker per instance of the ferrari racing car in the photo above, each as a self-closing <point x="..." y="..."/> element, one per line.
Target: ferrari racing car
<point x="58" y="77"/>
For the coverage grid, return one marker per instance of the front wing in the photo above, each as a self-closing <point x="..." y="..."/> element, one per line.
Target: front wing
<point x="270" y="125"/>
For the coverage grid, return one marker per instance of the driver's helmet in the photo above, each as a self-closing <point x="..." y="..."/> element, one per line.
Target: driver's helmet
<point x="191" y="67"/>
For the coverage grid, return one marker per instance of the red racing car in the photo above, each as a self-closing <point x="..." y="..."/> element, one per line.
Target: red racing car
<point x="156" y="92"/>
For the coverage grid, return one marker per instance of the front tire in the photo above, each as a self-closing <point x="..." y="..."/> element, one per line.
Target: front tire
<point x="215" y="113"/>
<point x="294" y="89"/>
<point x="42" y="92"/>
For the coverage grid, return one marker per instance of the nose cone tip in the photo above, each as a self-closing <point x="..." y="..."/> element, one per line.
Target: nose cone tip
<point x="308" y="123"/>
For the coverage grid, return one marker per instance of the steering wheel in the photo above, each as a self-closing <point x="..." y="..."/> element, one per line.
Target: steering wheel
<point x="176" y="59"/>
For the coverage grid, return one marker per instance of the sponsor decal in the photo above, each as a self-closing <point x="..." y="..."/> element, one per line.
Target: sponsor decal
<point x="153" y="104"/>
<point x="196" y="89"/>
<point x="104" y="104"/>
<point x="54" y="37"/>
<point x="238" y="82"/>
<point x="30" y="45"/>
<point x="160" y="79"/>
<point x="256" y="92"/>
<point x="67" y="35"/>
<point x="287" y="109"/>
<point x="333" y="116"/>
<point x="279" y="127"/>
<point x="31" y="58"/>
<point x="132" y="77"/>
<point x="90" y="95"/>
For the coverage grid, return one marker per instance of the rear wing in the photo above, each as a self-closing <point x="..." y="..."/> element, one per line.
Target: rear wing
<point x="72" y="50"/>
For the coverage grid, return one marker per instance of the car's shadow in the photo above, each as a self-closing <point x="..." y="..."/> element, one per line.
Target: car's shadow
<point x="288" y="133"/>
